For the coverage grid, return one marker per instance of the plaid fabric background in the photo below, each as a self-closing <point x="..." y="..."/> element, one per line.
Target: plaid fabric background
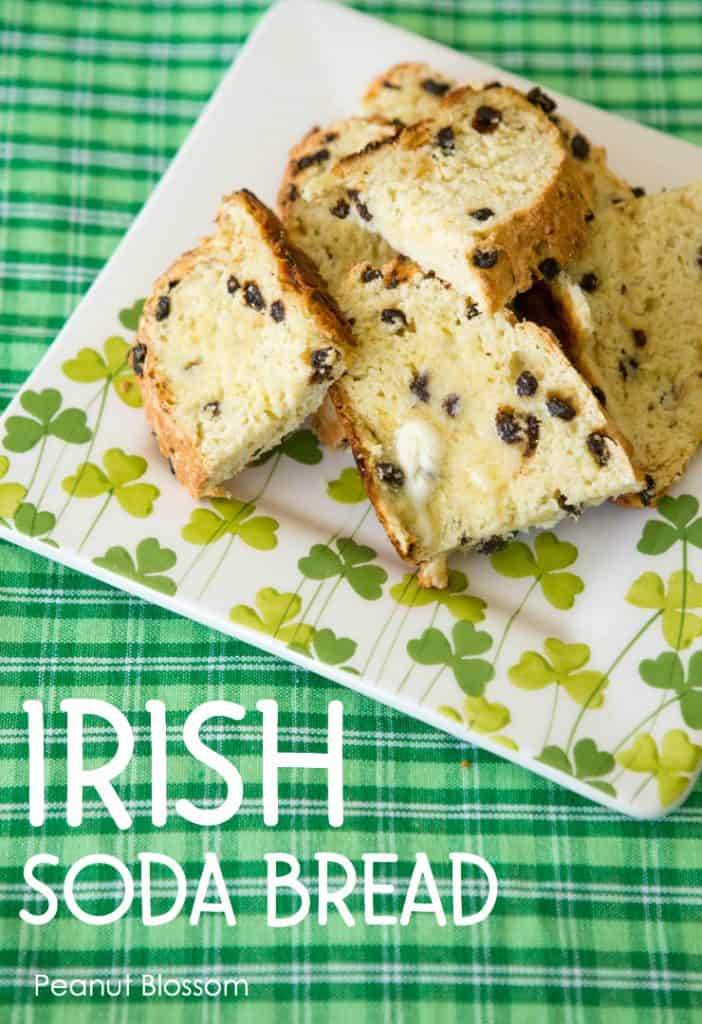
<point x="598" y="918"/>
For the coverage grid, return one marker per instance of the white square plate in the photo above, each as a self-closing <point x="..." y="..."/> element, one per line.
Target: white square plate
<point x="303" y="562"/>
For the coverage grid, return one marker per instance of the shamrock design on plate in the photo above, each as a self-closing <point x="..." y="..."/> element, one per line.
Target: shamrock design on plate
<point x="348" y="489"/>
<point x="276" y="617"/>
<point x="680" y="626"/>
<point x="470" y="671"/>
<point x="589" y="764"/>
<point x="671" y="766"/>
<point x="561" y="666"/>
<point x="461" y="605"/>
<point x="660" y="535"/>
<point x="545" y="564"/>
<point x="112" y="367"/>
<point x="350" y="564"/>
<point x="233" y="518"/>
<point x="45" y="419"/>
<point x="483" y="716"/>
<point x="148" y="568"/>
<point x="10" y="494"/>
<point x="666" y="672"/>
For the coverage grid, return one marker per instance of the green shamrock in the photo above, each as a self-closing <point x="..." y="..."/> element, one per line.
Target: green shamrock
<point x="348" y="489"/>
<point x="130" y="316"/>
<point x="481" y="716"/>
<point x="590" y="764"/>
<point x="534" y="672"/>
<point x="121" y="470"/>
<point x="672" y="766"/>
<point x="666" y="672"/>
<point x="301" y="446"/>
<point x="470" y="672"/>
<point x="658" y="536"/>
<point x="31" y="522"/>
<point x="151" y="562"/>
<point x="680" y="626"/>
<point x="461" y="605"/>
<point x="274" y="617"/>
<point x="233" y="517"/>
<point x="88" y="367"/>
<point x="23" y="432"/>
<point x="322" y="563"/>
<point x="10" y="494"/>
<point x="333" y="649"/>
<point x="550" y="555"/>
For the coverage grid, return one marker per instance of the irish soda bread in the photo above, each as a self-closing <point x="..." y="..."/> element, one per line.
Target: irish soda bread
<point x="407" y="93"/>
<point x="237" y="344"/>
<point x="631" y="321"/>
<point x="465" y="427"/>
<point x="482" y="194"/>
<point x="324" y="229"/>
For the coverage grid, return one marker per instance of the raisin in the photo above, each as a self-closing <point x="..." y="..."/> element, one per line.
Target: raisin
<point x="369" y="274"/>
<point x="322" y="359"/>
<point x="138" y="358"/>
<point x="484" y="259"/>
<point x="361" y="208"/>
<point x="486" y="119"/>
<point x="574" y="511"/>
<point x="389" y="85"/>
<point x="393" y="316"/>
<point x="559" y="408"/>
<point x="599" y="395"/>
<point x="278" y="311"/>
<point x="483" y="213"/>
<point x="213" y="408"/>
<point x="310" y="159"/>
<point x="163" y="307"/>
<point x="580" y="147"/>
<point x="539" y="99"/>
<point x="232" y="285"/>
<point x="293" y="193"/>
<point x="390" y="474"/>
<point x="623" y="372"/>
<point x="589" y="217"/>
<point x="435" y="88"/>
<point x="533" y="431"/>
<point x="452" y="405"/>
<point x="649" y="491"/>
<point x="173" y="284"/>
<point x="639" y="336"/>
<point x="331" y="136"/>
<point x="508" y="427"/>
<point x="597" y="446"/>
<point x="490" y="545"/>
<point x="253" y="297"/>
<point x="589" y="282"/>
<point x="419" y="386"/>
<point x="445" y="139"/>
<point x="340" y="209"/>
<point x="527" y="384"/>
<point x="637" y="191"/>
<point x="550" y="268"/>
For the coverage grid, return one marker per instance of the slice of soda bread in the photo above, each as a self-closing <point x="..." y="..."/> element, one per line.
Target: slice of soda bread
<point x="482" y="194"/>
<point x="324" y="229"/>
<point x="237" y="344"/>
<point x="465" y="426"/>
<point x="631" y="320"/>
<point x="407" y="93"/>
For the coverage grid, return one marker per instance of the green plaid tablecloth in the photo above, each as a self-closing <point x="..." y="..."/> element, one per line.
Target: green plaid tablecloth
<point x="598" y="918"/>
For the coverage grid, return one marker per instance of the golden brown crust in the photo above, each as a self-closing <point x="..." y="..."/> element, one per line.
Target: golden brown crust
<point x="553" y="225"/>
<point x="297" y="273"/>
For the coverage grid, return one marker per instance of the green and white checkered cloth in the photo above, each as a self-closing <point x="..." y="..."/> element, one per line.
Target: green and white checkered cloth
<point x="598" y="918"/>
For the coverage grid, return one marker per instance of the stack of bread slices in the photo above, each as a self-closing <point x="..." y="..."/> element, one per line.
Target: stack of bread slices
<point x="502" y="330"/>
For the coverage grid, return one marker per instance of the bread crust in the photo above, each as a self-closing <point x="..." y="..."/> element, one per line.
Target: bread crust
<point x="552" y="225"/>
<point x="298" y="275"/>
